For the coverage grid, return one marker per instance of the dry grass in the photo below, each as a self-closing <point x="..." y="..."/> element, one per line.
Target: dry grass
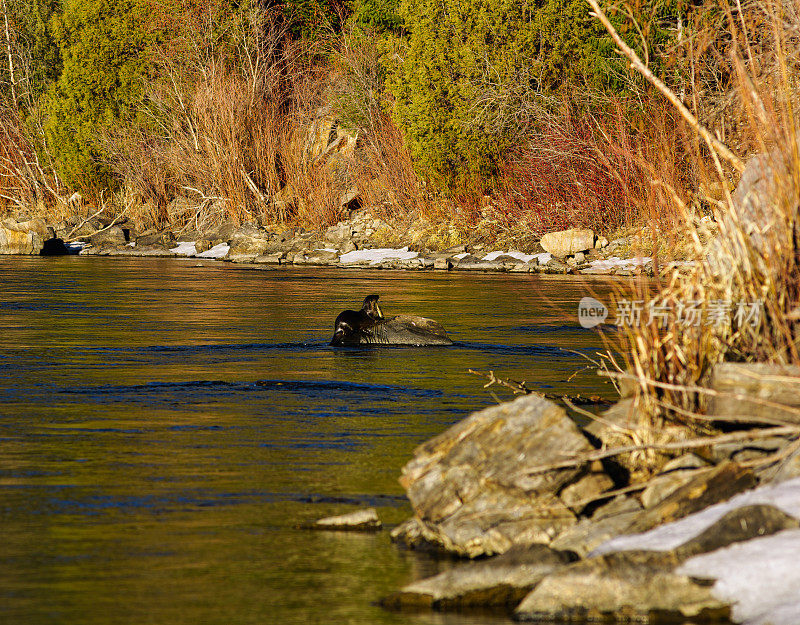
<point x="756" y="258"/>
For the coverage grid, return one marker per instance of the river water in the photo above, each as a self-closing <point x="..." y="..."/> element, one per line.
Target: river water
<point x="165" y="424"/>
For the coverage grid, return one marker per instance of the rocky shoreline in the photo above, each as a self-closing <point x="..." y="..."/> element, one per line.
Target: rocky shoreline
<point x="356" y="243"/>
<point x="553" y="525"/>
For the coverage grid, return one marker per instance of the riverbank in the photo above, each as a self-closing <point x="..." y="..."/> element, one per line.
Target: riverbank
<point x="361" y="241"/>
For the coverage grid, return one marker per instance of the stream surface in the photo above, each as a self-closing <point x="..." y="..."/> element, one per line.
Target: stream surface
<point x="164" y="427"/>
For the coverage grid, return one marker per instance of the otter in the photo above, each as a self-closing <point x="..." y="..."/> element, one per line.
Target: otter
<point x="368" y="326"/>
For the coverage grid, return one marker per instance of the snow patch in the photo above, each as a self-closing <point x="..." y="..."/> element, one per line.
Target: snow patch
<point x="185" y="248"/>
<point x="218" y="251"/>
<point x="376" y="256"/>
<point x="461" y="255"/>
<point x="615" y="262"/>
<point x="785" y="496"/>
<point x="759" y="578"/>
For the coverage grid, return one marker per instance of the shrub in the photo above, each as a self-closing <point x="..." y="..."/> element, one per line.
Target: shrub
<point x="462" y="60"/>
<point x="102" y="44"/>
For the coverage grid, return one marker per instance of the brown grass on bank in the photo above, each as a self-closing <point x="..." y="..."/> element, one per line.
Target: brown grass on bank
<point x="755" y="259"/>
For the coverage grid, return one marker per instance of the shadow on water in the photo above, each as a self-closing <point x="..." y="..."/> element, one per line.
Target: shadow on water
<point x="165" y="427"/>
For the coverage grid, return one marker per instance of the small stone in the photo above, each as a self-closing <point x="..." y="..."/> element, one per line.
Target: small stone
<point x="601" y="243"/>
<point x="359" y="521"/>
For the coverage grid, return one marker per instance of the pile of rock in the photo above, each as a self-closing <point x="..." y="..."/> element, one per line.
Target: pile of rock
<point x="522" y="486"/>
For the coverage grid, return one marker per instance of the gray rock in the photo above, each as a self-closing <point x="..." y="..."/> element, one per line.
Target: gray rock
<point x="247" y="243"/>
<point x="442" y="263"/>
<point x="580" y="258"/>
<point x="554" y="266"/>
<point x="625" y="586"/>
<point x="113" y="236"/>
<point x="608" y="521"/>
<point x="471" y="487"/>
<point x="501" y="581"/>
<point x="753" y="390"/>
<point x="359" y="521"/>
<point x="706" y="488"/>
<point x="568" y="242"/>
<point x="674" y="474"/>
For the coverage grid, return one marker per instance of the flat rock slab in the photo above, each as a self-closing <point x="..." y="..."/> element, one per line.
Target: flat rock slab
<point x="501" y="581"/>
<point x="359" y="521"/>
<point x="704" y="489"/>
<point x="624" y="586"/>
<point x="475" y="488"/>
<point x="756" y="390"/>
<point x="645" y="585"/>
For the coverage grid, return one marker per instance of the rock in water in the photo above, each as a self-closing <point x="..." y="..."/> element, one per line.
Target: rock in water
<point x="472" y="487"/>
<point x="358" y="521"/>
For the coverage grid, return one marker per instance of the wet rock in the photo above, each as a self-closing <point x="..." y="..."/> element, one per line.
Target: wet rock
<point x="608" y="521"/>
<point x="471" y="488"/>
<point x="269" y="259"/>
<point x="703" y="490"/>
<point x="752" y="389"/>
<point x="674" y="474"/>
<point x="501" y="581"/>
<point x="568" y="242"/>
<point x="624" y="586"/>
<point x="22" y="237"/>
<point x="359" y="521"/>
<point x="248" y="242"/>
<point x="472" y="263"/>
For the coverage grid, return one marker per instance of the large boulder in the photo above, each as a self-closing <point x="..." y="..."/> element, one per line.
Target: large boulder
<point x="22" y="237"/>
<point x="479" y="488"/>
<point x="760" y="218"/>
<point x="568" y="242"/>
<point x="247" y="243"/>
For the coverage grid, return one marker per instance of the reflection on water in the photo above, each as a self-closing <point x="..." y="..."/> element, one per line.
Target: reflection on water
<point x="165" y="426"/>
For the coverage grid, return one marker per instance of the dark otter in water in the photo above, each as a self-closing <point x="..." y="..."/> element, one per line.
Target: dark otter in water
<point x="368" y="326"/>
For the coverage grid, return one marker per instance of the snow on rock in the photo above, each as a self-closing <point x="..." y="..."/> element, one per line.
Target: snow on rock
<point x="218" y="251"/>
<point x="461" y="255"/>
<point x="74" y="247"/>
<point x="376" y="256"/>
<point x="784" y="496"/>
<point x="185" y="248"/>
<point x="759" y="578"/>
<point x="543" y="258"/>
<point x="615" y="262"/>
<point x="525" y="258"/>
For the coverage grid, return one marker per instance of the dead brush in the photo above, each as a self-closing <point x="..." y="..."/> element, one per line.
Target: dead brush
<point x="700" y="316"/>
<point x="592" y="169"/>
<point x="25" y="183"/>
